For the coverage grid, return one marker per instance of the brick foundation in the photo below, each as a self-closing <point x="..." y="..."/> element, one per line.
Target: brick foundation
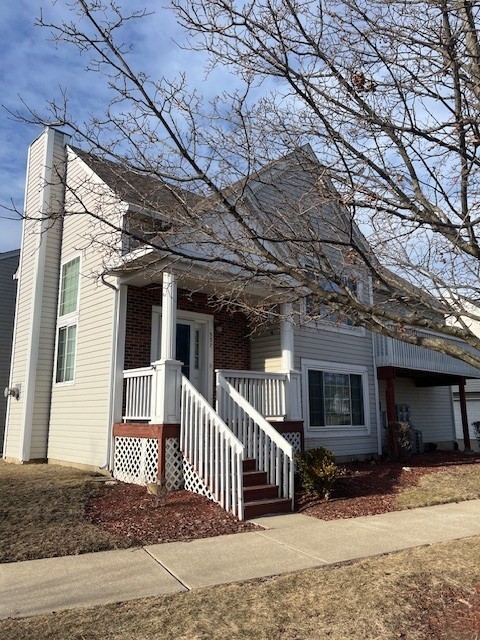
<point x="231" y="346"/>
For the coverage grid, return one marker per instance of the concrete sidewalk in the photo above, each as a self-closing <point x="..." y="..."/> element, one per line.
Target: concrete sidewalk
<point x="287" y="543"/>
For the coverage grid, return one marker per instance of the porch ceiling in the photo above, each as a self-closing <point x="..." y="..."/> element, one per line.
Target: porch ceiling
<point x="144" y="267"/>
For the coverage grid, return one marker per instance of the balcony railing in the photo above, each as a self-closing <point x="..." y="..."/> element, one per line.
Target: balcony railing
<point x="274" y="395"/>
<point x="137" y="394"/>
<point x="390" y="352"/>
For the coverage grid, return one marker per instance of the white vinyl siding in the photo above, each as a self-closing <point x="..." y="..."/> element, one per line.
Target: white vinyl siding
<point x="349" y="352"/>
<point x="266" y="354"/>
<point x="80" y="417"/>
<point x="38" y="283"/>
<point x="473" y="415"/>
<point x="336" y="346"/>
<point x="431" y="408"/>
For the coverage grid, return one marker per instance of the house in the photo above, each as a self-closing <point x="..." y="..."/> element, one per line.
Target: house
<point x="472" y="399"/>
<point x="121" y="351"/>
<point x="8" y="292"/>
<point x="471" y="391"/>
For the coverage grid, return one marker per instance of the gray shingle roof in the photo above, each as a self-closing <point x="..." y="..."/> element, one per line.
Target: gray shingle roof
<point x="136" y="188"/>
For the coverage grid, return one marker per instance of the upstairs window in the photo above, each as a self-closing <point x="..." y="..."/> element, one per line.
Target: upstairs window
<point x="69" y="287"/>
<point x="67" y="321"/>
<point x="316" y="310"/>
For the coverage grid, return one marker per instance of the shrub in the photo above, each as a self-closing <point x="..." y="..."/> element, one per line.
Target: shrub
<point x="317" y="471"/>
<point x="476" y="430"/>
<point x="399" y="440"/>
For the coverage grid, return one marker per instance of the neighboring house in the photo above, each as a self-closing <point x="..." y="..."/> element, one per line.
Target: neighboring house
<point x="118" y="366"/>
<point x="472" y="396"/>
<point x="8" y="292"/>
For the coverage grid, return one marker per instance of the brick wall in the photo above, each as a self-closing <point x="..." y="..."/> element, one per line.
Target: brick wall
<point x="231" y="346"/>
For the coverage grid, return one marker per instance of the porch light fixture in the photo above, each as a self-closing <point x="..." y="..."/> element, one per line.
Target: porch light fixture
<point x="14" y="392"/>
<point x="218" y="328"/>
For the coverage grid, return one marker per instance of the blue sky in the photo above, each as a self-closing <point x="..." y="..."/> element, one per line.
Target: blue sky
<point x="34" y="69"/>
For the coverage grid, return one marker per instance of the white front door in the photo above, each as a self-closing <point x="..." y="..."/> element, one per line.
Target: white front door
<point x="194" y="347"/>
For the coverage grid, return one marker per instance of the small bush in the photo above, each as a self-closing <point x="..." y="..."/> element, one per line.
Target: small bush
<point x="317" y="471"/>
<point x="476" y="430"/>
<point x="399" y="440"/>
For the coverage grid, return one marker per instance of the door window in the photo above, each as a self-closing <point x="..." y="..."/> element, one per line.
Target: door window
<point x="183" y="347"/>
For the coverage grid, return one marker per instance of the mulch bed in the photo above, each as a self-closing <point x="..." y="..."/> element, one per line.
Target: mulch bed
<point x="364" y="488"/>
<point x="370" y="488"/>
<point x="127" y="510"/>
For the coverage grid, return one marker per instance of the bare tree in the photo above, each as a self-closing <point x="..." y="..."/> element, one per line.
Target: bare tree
<point x="377" y="102"/>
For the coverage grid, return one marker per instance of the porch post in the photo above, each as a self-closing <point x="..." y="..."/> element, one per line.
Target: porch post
<point x="390" y="400"/>
<point x="169" y="316"/>
<point x="463" y="410"/>
<point x="166" y="383"/>
<point x="286" y="336"/>
<point x="391" y="415"/>
<point x="287" y="345"/>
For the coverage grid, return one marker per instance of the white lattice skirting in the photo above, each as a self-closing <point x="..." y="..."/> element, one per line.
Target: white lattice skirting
<point x="294" y="439"/>
<point x="194" y="483"/>
<point x="173" y="465"/>
<point x="136" y="460"/>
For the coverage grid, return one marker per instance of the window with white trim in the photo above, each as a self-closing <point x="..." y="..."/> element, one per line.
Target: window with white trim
<point x="317" y="310"/>
<point x="67" y="321"/>
<point x="336" y="395"/>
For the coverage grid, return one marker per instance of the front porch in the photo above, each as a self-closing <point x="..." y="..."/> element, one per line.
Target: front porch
<point x="240" y="453"/>
<point x="409" y="373"/>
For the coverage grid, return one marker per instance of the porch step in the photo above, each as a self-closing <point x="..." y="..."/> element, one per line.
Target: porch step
<point x="258" y="508"/>
<point x="260" y="492"/>
<point x="254" y="478"/>
<point x="250" y="464"/>
<point x="260" y="498"/>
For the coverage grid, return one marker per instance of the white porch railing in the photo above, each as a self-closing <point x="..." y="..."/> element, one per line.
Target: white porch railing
<point x="392" y="352"/>
<point x="262" y="441"/>
<point x="274" y="395"/>
<point x="138" y="394"/>
<point x="211" y="448"/>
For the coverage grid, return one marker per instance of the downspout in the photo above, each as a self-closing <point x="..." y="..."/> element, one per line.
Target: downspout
<point x="375" y="378"/>
<point x="113" y="364"/>
<point x="377" y="399"/>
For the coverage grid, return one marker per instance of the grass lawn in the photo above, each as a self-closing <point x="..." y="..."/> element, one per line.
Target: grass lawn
<point x="42" y="513"/>
<point x="453" y="485"/>
<point x="423" y="594"/>
<point x="42" y="507"/>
